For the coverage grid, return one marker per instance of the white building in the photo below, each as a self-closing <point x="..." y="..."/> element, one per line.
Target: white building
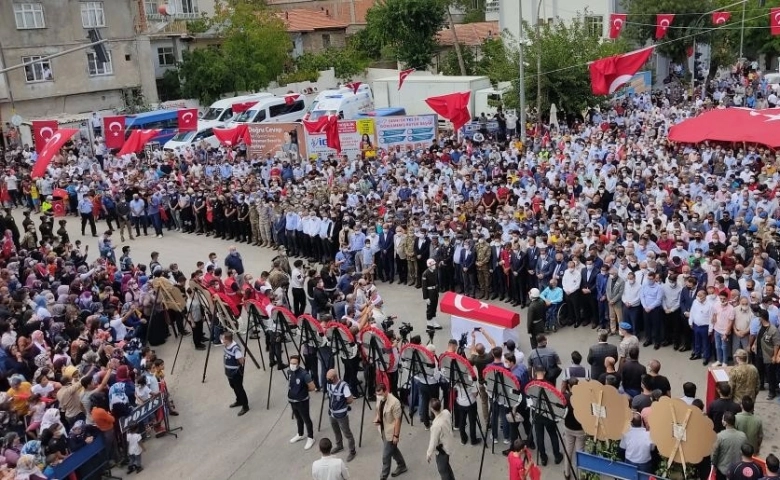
<point x="595" y="13"/>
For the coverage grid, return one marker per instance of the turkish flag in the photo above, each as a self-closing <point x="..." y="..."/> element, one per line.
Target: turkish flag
<point x="610" y="73"/>
<point x="719" y="18"/>
<point x="136" y="141"/>
<point x="473" y="309"/>
<point x="662" y="22"/>
<point x="290" y="98"/>
<point x="354" y="86"/>
<point x="114" y="131"/>
<point x="42" y="132"/>
<point x="774" y="21"/>
<point x="616" y="22"/>
<point x="231" y="136"/>
<point x="188" y="119"/>
<point x="454" y="107"/>
<point x="50" y="148"/>
<point x="241" y="107"/>
<point x="329" y="125"/>
<point x="402" y="76"/>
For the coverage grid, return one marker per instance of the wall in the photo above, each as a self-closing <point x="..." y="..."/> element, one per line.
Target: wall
<point x="313" y="41"/>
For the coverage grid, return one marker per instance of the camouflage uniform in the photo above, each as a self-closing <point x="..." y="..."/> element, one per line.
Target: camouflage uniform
<point x="411" y="259"/>
<point x="254" y="221"/>
<point x="483" y="268"/>
<point x="265" y="216"/>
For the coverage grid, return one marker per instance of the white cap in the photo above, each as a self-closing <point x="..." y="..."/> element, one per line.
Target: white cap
<point x="534" y="293"/>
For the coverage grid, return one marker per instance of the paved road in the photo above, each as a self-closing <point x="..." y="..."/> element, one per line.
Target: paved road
<point x="216" y="444"/>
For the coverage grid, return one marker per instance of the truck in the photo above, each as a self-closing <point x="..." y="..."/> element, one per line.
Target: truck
<point x="417" y="87"/>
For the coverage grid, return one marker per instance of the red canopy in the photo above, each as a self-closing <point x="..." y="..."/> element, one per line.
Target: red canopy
<point x="471" y="308"/>
<point x="454" y="107"/>
<point x="731" y="125"/>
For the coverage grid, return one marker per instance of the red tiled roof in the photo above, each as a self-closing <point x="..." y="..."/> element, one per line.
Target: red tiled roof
<point x="305" y="20"/>
<point x="469" y="34"/>
<point x="337" y="9"/>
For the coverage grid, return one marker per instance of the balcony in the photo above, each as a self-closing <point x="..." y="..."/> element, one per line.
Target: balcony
<point x="156" y="17"/>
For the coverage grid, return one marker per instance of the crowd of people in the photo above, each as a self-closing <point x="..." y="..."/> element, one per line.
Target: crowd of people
<point x="597" y="221"/>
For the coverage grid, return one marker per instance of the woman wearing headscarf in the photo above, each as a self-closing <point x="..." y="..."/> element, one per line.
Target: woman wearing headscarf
<point x="12" y="447"/>
<point x="79" y="436"/>
<point x="27" y="469"/>
<point x="34" y="449"/>
<point x="51" y="418"/>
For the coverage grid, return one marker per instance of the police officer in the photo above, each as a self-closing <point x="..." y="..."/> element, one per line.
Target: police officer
<point x="299" y="385"/>
<point x="445" y="255"/>
<point x="234" y="369"/>
<point x="430" y="291"/>
<point x="339" y="398"/>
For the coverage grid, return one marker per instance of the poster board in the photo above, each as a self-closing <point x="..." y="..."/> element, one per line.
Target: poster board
<point x="351" y="133"/>
<point x="276" y="137"/>
<point x="409" y="132"/>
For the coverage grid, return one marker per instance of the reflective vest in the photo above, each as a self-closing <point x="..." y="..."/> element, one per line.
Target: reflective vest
<point x="338" y="401"/>
<point x="298" y="390"/>
<point x="232" y="365"/>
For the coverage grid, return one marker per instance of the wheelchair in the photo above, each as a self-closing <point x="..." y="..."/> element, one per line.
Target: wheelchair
<point x="555" y="317"/>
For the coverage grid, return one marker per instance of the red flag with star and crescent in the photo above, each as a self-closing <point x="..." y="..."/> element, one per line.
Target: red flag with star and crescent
<point x="52" y="146"/>
<point x="459" y="305"/>
<point x="662" y="22"/>
<point x="114" y="131"/>
<point x="719" y="18"/>
<point x="610" y="73"/>
<point x="136" y="141"/>
<point x="42" y="132"/>
<point x="188" y="119"/>
<point x="402" y="76"/>
<point x="616" y="22"/>
<point x="774" y="21"/>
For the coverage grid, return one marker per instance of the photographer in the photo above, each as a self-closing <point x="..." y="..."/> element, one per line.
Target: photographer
<point x="480" y="359"/>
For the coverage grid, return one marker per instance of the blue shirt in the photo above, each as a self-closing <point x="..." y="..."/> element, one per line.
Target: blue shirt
<point x="651" y="295"/>
<point x="85" y="206"/>
<point x="552" y="295"/>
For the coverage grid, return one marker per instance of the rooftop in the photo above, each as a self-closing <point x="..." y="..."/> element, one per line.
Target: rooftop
<point x="469" y="34"/>
<point x="304" y="20"/>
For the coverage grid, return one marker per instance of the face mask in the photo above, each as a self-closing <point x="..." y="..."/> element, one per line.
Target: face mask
<point x="380" y="398"/>
<point x="293" y="368"/>
<point x="506" y="365"/>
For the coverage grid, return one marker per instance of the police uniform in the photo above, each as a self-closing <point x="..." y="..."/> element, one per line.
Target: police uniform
<point x="244" y="231"/>
<point x="235" y="374"/>
<point x="483" y="268"/>
<point x="338" y="410"/>
<point x="430" y="291"/>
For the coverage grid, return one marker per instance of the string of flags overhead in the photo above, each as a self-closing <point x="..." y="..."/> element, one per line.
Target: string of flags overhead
<point x="664" y="20"/>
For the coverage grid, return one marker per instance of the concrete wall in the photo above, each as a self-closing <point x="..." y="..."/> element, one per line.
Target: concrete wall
<point x="131" y="63"/>
<point x="314" y="41"/>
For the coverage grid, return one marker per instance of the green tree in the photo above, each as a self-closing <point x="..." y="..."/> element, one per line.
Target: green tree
<point x="204" y="75"/>
<point x="347" y="62"/>
<point x="169" y="86"/>
<point x="408" y="27"/>
<point x="640" y="25"/>
<point x="758" y="38"/>
<point x="562" y="50"/>
<point x="499" y="59"/>
<point x="256" y="44"/>
<point x="450" y="66"/>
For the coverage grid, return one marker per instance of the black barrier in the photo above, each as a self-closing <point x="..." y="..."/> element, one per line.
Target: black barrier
<point x="142" y="412"/>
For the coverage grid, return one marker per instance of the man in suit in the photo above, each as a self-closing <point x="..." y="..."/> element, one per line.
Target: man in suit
<point x="559" y="266"/>
<point x="422" y="252"/>
<point x="518" y="277"/>
<point x="599" y="352"/>
<point x="615" y="287"/>
<point x="532" y="256"/>
<point x="588" y="289"/>
<point x="387" y="254"/>
<point x="544" y="270"/>
<point x="468" y="260"/>
<point x="497" y="278"/>
<point x="444" y="257"/>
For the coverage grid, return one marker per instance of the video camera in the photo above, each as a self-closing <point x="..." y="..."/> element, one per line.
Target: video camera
<point x="405" y="329"/>
<point x="388" y="323"/>
<point x="464" y="340"/>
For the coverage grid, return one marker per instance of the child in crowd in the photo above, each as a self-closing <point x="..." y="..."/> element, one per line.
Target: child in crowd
<point x="37" y="408"/>
<point x="134" y="449"/>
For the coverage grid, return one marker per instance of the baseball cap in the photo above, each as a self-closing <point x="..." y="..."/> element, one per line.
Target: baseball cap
<point x="626" y="326"/>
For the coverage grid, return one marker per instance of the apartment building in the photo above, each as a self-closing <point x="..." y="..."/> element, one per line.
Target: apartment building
<point x="595" y="13"/>
<point x="32" y="30"/>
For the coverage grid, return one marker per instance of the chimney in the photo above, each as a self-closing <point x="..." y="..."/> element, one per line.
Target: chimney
<point x="286" y="15"/>
<point x="327" y="13"/>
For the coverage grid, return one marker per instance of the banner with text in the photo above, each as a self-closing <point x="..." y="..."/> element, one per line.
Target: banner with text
<point x="355" y="136"/>
<point x="413" y="132"/>
<point x="277" y="137"/>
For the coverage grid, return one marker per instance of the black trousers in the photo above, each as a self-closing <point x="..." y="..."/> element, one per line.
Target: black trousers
<point x="88" y="218"/>
<point x="302" y="418"/>
<point x="299" y="301"/>
<point x="197" y="333"/>
<point x="402" y="268"/>
<point x="770" y="373"/>
<point x="463" y="415"/>
<point x="574" y="302"/>
<point x="591" y="310"/>
<point x="430" y="310"/>
<point x="237" y="384"/>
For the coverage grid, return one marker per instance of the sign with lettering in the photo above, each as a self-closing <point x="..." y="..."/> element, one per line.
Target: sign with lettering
<point x="408" y="132"/>
<point x="142" y="412"/>
<point x="277" y="137"/>
<point x="356" y="136"/>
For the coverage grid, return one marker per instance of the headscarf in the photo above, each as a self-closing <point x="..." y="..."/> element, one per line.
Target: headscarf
<point x="8" y="440"/>
<point x="51" y="417"/>
<point x="27" y="466"/>
<point x="33" y="449"/>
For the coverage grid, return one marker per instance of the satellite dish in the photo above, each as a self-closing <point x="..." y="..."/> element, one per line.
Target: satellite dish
<point x="16" y="120"/>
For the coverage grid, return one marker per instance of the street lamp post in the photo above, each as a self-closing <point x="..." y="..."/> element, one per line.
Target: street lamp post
<point x="538" y="71"/>
<point x="521" y="44"/>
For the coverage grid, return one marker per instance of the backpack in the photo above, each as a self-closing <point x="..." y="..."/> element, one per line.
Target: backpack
<point x="118" y="401"/>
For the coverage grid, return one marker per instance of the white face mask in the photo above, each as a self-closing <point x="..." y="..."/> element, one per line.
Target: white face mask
<point x="293" y="367"/>
<point x="380" y="398"/>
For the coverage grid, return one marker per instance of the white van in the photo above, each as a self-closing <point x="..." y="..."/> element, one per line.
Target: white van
<point x="221" y="111"/>
<point x="345" y="101"/>
<point x="193" y="137"/>
<point x="274" y="110"/>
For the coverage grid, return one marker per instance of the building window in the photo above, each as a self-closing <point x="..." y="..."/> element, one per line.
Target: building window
<point x="38" y="71"/>
<point x="594" y="25"/>
<point x="165" y="57"/>
<point x="150" y="6"/>
<point x="92" y="15"/>
<point x="325" y="40"/>
<point x="29" y="15"/>
<point x="96" y="68"/>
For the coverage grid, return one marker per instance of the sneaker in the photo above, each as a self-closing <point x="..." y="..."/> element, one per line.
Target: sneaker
<point x="398" y="471"/>
<point x="351" y="456"/>
<point x="495" y="441"/>
<point x="336" y="449"/>
<point x="433" y="324"/>
<point x="716" y="364"/>
<point x="309" y="443"/>
<point x="297" y="438"/>
<point x="506" y="442"/>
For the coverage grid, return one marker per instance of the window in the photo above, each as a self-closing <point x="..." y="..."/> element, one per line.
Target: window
<point x="594" y="24"/>
<point x="150" y="6"/>
<point x="325" y="40"/>
<point x="96" y="68"/>
<point x="29" y="15"/>
<point x="165" y="57"/>
<point x="92" y="15"/>
<point x="284" y="109"/>
<point x="38" y="71"/>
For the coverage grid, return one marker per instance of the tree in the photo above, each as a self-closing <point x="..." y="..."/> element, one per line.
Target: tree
<point x="256" y="44"/>
<point x="204" y="75"/>
<point x="758" y="38"/>
<point x="408" y="27"/>
<point x="450" y="66"/>
<point x="347" y="62"/>
<point x="499" y="59"/>
<point x="640" y="25"/>
<point x="565" y="50"/>
<point x="169" y="86"/>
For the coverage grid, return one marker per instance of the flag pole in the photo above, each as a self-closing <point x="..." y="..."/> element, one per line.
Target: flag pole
<point x="522" y="75"/>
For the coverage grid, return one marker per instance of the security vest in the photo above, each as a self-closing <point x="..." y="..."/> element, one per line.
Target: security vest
<point x="297" y="389"/>
<point x="338" y="401"/>
<point x="232" y="365"/>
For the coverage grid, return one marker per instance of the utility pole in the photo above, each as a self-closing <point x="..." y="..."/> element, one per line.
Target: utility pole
<point x="538" y="70"/>
<point x="521" y="42"/>
<point x="458" y="53"/>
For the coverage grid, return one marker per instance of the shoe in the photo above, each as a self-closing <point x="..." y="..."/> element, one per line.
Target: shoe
<point x="399" y="471"/>
<point x="506" y="442"/>
<point x="235" y="404"/>
<point x="297" y="438"/>
<point x="594" y="326"/>
<point x="558" y="459"/>
<point x="309" y="443"/>
<point x="647" y="343"/>
<point x="433" y="324"/>
<point x="684" y="348"/>
<point x="771" y="397"/>
<point x="173" y="413"/>
<point x="495" y="441"/>
<point x="506" y="452"/>
<point x="693" y="357"/>
<point x="667" y="343"/>
<point x="337" y="449"/>
<point x="131" y="469"/>
<point x="705" y="362"/>
<point x="351" y="456"/>
<point x="717" y="364"/>
<point x="476" y="441"/>
<point x="139" y="469"/>
<point x="464" y="440"/>
<point x="243" y="411"/>
<point x="543" y="461"/>
<point x="657" y="346"/>
<point x="200" y="347"/>
<point x="531" y="445"/>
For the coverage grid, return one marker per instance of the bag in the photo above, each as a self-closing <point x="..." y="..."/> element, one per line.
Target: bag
<point x="551" y="374"/>
<point x="534" y="472"/>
